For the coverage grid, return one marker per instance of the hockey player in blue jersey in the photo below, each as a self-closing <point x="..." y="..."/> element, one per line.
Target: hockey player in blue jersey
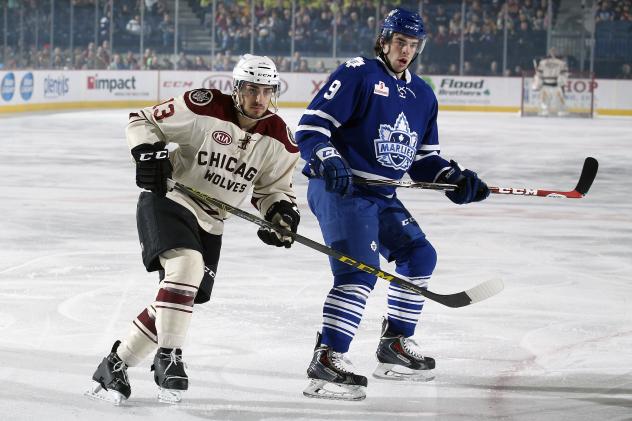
<point x="374" y="119"/>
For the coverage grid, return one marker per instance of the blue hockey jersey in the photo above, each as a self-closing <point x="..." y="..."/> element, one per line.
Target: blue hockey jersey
<point x="382" y="126"/>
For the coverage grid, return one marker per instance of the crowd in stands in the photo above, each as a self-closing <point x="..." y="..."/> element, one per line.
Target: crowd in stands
<point x="322" y="29"/>
<point x="613" y="11"/>
<point x="355" y="23"/>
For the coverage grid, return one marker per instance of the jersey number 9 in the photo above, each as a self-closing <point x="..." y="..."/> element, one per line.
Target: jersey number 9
<point x="333" y="88"/>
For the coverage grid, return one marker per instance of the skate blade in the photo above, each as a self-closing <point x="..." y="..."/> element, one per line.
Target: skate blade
<point x="170" y="396"/>
<point x="97" y="392"/>
<point x="323" y="389"/>
<point x="401" y="373"/>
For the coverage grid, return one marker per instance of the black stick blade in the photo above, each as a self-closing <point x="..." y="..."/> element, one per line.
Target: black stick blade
<point x="589" y="172"/>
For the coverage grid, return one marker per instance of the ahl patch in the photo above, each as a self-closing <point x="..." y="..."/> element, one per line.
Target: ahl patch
<point x="380" y="89"/>
<point x="201" y="96"/>
<point x="396" y="147"/>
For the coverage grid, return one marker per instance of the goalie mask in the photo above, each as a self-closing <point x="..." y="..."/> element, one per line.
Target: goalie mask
<point x="258" y="70"/>
<point x="403" y="22"/>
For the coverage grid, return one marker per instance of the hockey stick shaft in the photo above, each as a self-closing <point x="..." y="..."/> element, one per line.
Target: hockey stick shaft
<point x="587" y="176"/>
<point x="460" y="299"/>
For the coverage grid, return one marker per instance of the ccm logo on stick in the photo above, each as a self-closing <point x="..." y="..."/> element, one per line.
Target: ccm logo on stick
<point x="526" y="192"/>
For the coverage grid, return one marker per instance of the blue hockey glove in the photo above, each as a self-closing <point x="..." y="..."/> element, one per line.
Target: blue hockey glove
<point x="470" y="188"/>
<point x="152" y="167"/>
<point x="284" y="214"/>
<point x="327" y="163"/>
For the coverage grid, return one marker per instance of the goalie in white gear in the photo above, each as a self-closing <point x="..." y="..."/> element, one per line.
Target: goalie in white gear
<point x="550" y="78"/>
<point x="224" y="146"/>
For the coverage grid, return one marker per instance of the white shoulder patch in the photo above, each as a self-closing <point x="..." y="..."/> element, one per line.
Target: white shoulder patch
<point x="355" y="62"/>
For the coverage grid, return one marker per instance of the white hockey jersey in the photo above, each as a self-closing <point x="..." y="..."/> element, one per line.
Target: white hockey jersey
<point x="552" y="71"/>
<point x="215" y="156"/>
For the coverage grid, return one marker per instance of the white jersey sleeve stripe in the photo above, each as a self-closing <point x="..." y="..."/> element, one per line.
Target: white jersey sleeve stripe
<point x="324" y="115"/>
<point x="429" y="148"/>
<point x="420" y="157"/>
<point x="314" y="129"/>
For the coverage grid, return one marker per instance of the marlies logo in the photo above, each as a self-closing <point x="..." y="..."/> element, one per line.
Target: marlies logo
<point x="380" y="89"/>
<point x="396" y="146"/>
<point x="222" y="138"/>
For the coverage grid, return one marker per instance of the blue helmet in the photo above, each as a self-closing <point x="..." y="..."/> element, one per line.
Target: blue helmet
<point x="404" y="22"/>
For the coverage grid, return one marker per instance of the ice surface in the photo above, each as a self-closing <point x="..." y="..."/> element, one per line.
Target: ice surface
<point x="556" y="344"/>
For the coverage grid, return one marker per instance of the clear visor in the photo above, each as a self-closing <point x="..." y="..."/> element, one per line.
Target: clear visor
<point x="404" y="40"/>
<point x="415" y="45"/>
<point x="253" y="90"/>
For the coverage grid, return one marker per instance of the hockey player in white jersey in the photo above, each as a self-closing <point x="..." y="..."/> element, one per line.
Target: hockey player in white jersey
<point x="550" y="77"/>
<point x="222" y="145"/>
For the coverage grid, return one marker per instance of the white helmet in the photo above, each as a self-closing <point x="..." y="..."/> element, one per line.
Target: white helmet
<point x="255" y="69"/>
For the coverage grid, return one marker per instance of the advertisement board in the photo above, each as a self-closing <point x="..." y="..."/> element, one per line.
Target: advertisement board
<point x="57" y="90"/>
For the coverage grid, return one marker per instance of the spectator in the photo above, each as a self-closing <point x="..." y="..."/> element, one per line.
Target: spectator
<point x="320" y="67"/>
<point x="303" y="66"/>
<point x="284" y="65"/>
<point x="366" y="37"/>
<point x="166" y="64"/>
<point x="493" y="68"/>
<point x="440" y="17"/>
<point x="604" y="13"/>
<point x="131" y="63"/>
<point x="200" y="64"/>
<point x="296" y="61"/>
<point x="183" y="62"/>
<point x="467" y="68"/>
<point x="133" y="26"/>
<point x="626" y="71"/>
<point x="149" y="5"/>
<point x="168" y="29"/>
<point x="102" y="59"/>
<point x="117" y="63"/>
<point x="225" y="64"/>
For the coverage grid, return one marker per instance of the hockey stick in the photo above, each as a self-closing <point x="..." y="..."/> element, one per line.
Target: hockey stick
<point x="460" y="299"/>
<point x="586" y="178"/>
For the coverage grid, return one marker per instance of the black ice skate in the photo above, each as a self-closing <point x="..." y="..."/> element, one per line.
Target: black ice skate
<point x="169" y="375"/>
<point x="110" y="379"/>
<point x="331" y="376"/>
<point x="400" y="358"/>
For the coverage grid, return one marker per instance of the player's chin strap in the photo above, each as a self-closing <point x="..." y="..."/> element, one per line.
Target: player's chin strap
<point x="388" y="63"/>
